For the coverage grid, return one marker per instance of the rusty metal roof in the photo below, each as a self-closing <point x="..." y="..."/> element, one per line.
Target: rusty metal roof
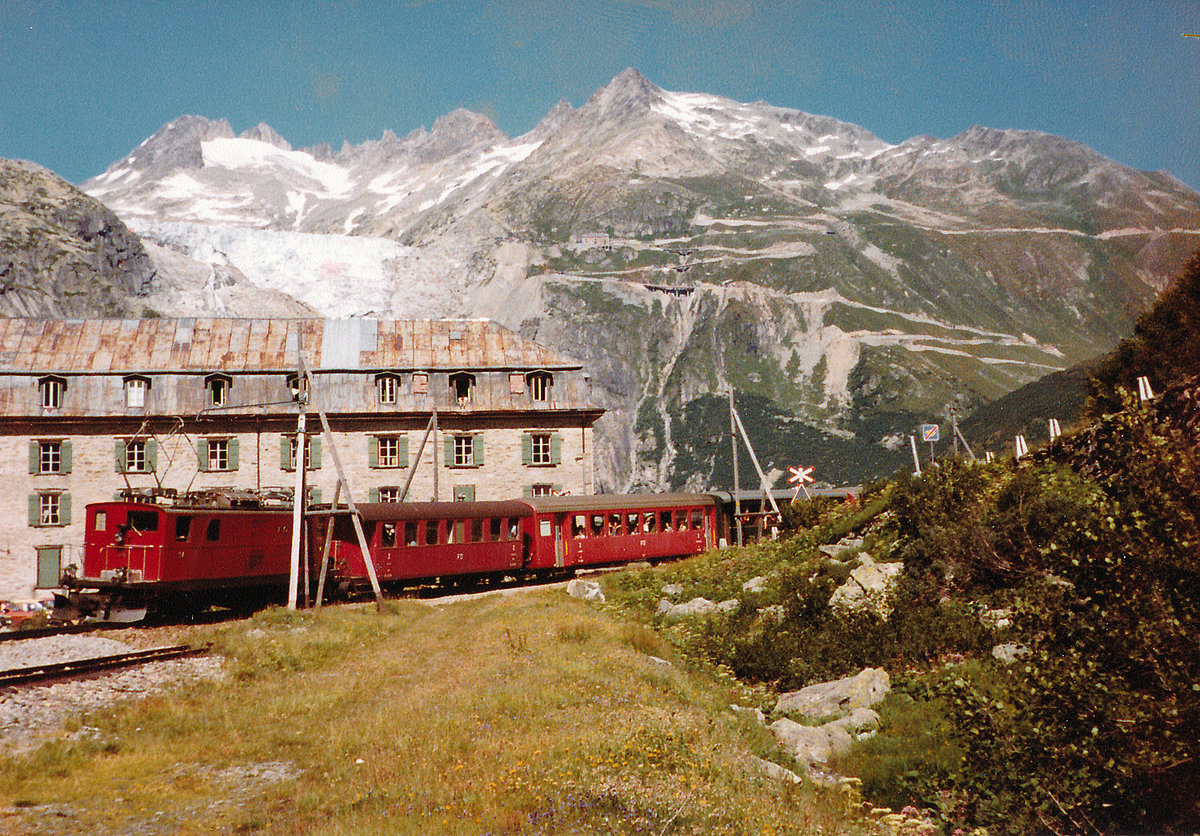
<point x="252" y="345"/>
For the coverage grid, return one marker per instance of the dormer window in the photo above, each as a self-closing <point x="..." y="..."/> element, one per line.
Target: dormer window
<point x="387" y="387"/>
<point x="420" y="383"/>
<point x="462" y="388"/>
<point x="135" y="392"/>
<point x="539" y="385"/>
<point x="218" y="389"/>
<point x="295" y="389"/>
<point x="51" y="390"/>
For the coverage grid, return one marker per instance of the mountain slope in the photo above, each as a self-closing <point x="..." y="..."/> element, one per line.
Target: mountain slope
<point x="682" y="243"/>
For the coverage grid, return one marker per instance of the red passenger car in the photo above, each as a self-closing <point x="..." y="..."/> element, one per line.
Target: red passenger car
<point x="179" y="557"/>
<point x="570" y="532"/>
<point x="423" y="542"/>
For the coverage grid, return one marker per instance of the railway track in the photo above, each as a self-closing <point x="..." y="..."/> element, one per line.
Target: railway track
<point x="79" y="667"/>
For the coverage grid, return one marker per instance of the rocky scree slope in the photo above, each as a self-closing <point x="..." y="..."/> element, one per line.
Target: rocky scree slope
<point x="683" y="243"/>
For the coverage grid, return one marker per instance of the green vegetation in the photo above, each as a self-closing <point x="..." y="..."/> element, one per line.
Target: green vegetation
<point x="505" y="715"/>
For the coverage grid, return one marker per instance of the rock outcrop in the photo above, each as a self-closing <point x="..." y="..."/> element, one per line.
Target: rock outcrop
<point x="64" y="254"/>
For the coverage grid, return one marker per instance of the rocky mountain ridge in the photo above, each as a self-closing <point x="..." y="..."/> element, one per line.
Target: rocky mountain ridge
<point x="847" y="288"/>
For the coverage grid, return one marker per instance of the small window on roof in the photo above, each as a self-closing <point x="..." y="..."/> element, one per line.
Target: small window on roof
<point x="135" y="392"/>
<point x="462" y="388"/>
<point x="218" y="386"/>
<point x="387" y="387"/>
<point x="51" y="390"/>
<point x="540" y="384"/>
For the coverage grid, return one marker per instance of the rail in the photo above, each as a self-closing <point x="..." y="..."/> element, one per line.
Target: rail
<point x="78" y="667"/>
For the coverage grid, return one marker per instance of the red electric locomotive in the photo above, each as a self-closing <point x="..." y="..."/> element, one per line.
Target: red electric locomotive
<point x="226" y="549"/>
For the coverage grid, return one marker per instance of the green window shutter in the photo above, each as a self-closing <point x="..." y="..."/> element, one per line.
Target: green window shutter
<point x="402" y="450"/>
<point x="449" y="448"/>
<point x="527" y="490"/>
<point x="35" y="457"/>
<point x="556" y="488"/>
<point x="34" y="511"/>
<point x="233" y="454"/>
<point x="464" y="493"/>
<point x="314" y="454"/>
<point x="49" y="569"/>
<point x="152" y="454"/>
<point x="119" y="454"/>
<point x="66" y="457"/>
<point x="64" y="509"/>
<point x="477" y="448"/>
<point x="201" y="455"/>
<point x="373" y="495"/>
<point x="285" y="452"/>
<point x="314" y="496"/>
<point x="372" y="452"/>
<point x="527" y="449"/>
<point x="556" y="449"/>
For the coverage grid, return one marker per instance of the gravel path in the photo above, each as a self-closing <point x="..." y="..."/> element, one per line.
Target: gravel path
<point x="31" y="714"/>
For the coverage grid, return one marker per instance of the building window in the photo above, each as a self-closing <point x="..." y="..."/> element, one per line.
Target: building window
<point x="543" y="490"/>
<point x="49" y="508"/>
<point x="387" y="386"/>
<point x="539" y="386"/>
<point x="217" y="454"/>
<point x="135" y="456"/>
<point x="51" y="390"/>
<point x="218" y="386"/>
<point x="50" y="457"/>
<point x="541" y="449"/>
<point x="389" y="494"/>
<point x="135" y="392"/>
<point x="464" y="450"/>
<point x="312" y="453"/>
<point x="49" y="566"/>
<point x="389" y="451"/>
<point x="420" y="383"/>
<point x="462" y="388"/>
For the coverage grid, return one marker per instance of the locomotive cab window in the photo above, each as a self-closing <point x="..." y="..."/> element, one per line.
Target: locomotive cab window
<point x="477" y="531"/>
<point x="547" y="528"/>
<point x="143" y="520"/>
<point x="387" y="535"/>
<point x="183" y="526"/>
<point x="410" y="533"/>
<point x="431" y="533"/>
<point x="100" y="522"/>
<point x="697" y="519"/>
<point x="213" y="532"/>
<point x="496" y="526"/>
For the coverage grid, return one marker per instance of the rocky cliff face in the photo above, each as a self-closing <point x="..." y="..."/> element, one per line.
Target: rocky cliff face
<point x="682" y="244"/>
<point x="62" y="253"/>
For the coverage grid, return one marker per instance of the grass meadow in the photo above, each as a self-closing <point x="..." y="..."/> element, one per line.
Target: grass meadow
<point x="525" y="713"/>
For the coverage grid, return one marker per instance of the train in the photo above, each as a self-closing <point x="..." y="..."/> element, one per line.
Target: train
<point x="176" y="555"/>
<point x="179" y="555"/>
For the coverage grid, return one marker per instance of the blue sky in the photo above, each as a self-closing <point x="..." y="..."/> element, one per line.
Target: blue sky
<point x="83" y="82"/>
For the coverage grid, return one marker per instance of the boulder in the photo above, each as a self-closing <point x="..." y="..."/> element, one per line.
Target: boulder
<point x="774" y="613"/>
<point x="728" y="606"/>
<point x="774" y="770"/>
<point x="696" y="606"/>
<point x="755" y="584"/>
<point x="672" y="590"/>
<point x="812" y="745"/>
<point x="869" y="587"/>
<point x="839" y="697"/>
<point x="586" y="590"/>
<point x="1009" y="652"/>
<point x="753" y="713"/>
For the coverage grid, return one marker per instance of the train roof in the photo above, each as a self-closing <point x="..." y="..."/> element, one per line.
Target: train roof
<point x="379" y="511"/>
<point x="619" y="502"/>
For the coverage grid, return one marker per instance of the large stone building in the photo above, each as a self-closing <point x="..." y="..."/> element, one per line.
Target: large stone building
<point x="91" y="407"/>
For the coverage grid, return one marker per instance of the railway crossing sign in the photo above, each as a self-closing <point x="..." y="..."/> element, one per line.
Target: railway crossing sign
<point x="800" y="475"/>
<point x="930" y="432"/>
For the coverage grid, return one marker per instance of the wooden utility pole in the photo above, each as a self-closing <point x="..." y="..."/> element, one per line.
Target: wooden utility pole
<point x="431" y="427"/>
<point x="737" y="483"/>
